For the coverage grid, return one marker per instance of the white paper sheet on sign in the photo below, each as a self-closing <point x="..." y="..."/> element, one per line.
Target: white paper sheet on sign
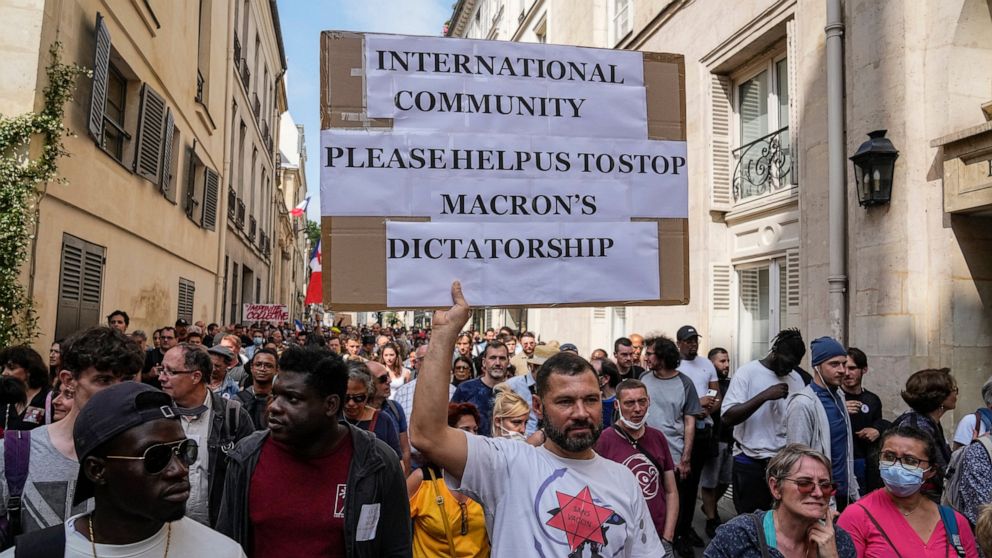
<point x="466" y="85"/>
<point x="390" y="173"/>
<point x="606" y="262"/>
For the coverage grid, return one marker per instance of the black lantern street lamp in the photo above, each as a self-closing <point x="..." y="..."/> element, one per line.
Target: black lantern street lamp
<point x="874" y="164"/>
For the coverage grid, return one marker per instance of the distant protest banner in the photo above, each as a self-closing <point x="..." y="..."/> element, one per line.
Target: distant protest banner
<point x="536" y="174"/>
<point x="265" y="313"/>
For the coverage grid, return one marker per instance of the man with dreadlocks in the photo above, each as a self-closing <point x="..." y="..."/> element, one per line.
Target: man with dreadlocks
<point x="755" y="407"/>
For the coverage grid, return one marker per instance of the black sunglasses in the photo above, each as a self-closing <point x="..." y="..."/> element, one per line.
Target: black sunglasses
<point x="356" y="398"/>
<point x="158" y="457"/>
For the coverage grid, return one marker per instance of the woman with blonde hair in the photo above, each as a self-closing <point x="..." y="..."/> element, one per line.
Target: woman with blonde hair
<point x="446" y="523"/>
<point x="510" y="414"/>
<point x="799" y="524"/>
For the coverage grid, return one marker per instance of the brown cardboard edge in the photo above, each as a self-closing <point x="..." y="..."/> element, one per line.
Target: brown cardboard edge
<point x="674" y="285"/>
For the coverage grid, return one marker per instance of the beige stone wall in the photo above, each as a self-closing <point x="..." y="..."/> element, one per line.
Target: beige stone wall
<point x="150" y="244"/>
<point x="920" y="281"/>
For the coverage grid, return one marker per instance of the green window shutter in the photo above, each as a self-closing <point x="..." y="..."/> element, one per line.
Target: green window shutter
<point x="211" y="186"/>
<point x="101" y="65"/>
<point x="151" y="135"/>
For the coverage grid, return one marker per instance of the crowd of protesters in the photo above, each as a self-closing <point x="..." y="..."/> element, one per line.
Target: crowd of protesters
<point x="277" y="440"/>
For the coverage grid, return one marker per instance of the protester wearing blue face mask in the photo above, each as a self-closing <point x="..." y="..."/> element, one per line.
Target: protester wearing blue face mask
<point x="899" y="520"/>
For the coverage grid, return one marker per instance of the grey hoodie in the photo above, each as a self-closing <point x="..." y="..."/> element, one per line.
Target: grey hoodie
<point x="807" y="424"/>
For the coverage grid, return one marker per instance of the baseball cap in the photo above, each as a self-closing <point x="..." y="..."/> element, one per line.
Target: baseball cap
<point x="569" y="347"/>
<point x="110" y="412"/>
<point x="182" y="322"/>
<point x="222" y="351"/>
<point x="686" y="332"/>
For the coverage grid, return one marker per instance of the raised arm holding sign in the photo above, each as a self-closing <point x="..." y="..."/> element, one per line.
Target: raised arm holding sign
<point x="563" y="497"/>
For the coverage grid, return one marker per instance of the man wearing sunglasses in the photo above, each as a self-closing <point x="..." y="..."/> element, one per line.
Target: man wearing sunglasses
<point x="213" y="422"/>
<point x="311" y="485"/>
<point x="92" y="360"/>
<point x="134" y="462"/>
<point x="817" y="416"/>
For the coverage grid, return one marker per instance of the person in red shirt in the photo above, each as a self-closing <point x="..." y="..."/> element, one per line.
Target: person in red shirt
<point x="312" y="486"/>
<point x="643" y="450"/>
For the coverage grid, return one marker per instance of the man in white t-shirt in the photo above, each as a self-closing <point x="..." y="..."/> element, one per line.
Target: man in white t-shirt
<point x="975" y="424"/>
<point x="755" y="406"/>
<point x="134" y="462"/>
<point x="559" y="499"/>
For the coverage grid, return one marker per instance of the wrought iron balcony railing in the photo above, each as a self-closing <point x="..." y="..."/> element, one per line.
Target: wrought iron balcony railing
<point x="245" y="74"/>
<point x="237" y="52"/>
<point x="241" y="214"/>
<point x="763" y="166"/>
<point x="232" y="201"/>
<point x="199" y="86"/>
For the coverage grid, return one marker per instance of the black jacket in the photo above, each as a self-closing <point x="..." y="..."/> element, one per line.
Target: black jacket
<point x="374" y="477"/>
<point x="229" y="423"/>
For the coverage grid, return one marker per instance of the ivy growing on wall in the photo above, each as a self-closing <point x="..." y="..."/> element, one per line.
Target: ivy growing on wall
<point x="30" y="148"/>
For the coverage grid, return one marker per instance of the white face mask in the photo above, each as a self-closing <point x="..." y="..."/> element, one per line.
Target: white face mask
<point x="511" y="434"/>
<point x="635" y="425"/>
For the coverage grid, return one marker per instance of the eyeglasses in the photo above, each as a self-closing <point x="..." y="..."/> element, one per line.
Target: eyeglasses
<point x="168" y="372"/>
<point x="908" y="462"/>
<point x="361" y="398"/>
<point x="462" y="368"/>
<point x="263" y="365"/>
<point x="805" y="486"/>
<point x="158" y="457"/>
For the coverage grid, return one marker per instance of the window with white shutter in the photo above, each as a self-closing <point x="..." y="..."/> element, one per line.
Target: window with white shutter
<point x="211" y="187"/>
<point x="721" y="287"/>
<point x="721" y="94"/>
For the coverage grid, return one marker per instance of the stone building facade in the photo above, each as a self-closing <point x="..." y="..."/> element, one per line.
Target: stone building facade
<point x="918" y="281"/>
<point x="143" y="223"/>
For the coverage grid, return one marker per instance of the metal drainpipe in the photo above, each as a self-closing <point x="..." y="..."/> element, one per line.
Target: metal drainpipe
<point x="836" y="170"/>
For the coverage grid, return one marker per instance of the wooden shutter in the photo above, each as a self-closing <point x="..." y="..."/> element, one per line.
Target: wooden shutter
<point x="720" y="130"/>
<point x="151" y="135"/>
<point x="192" y="200"/>
<point x="211" y="185"/>
<point x="80" y="286"/>
<point x="168" y="190"/>
<point x="792" y="309"/>
<point x="101" y="66"/>
<point x="187" y="289"/>
<point x="721" y="286"/>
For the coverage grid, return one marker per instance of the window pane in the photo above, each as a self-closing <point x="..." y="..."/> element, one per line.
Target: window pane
<point x="782" y="87"/>
<point x="116" y="92"/>
<point x="752" y="106"/>
<point x="754" y="313"/>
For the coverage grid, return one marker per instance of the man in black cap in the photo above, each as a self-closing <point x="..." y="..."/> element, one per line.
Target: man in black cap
<point x="312" y="483"/>
<point x="134" y="461"/>
<point x="704" y="378"/>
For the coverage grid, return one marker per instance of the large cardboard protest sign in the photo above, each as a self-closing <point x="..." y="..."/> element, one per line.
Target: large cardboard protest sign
<point x="538" y="175"/>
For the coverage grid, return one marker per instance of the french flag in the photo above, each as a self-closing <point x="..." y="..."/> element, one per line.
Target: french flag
<point x="299" y="210"/>
<point x="315" y="290"/>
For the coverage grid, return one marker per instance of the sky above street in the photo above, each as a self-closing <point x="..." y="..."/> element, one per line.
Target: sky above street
<point x="303" y="20"/>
